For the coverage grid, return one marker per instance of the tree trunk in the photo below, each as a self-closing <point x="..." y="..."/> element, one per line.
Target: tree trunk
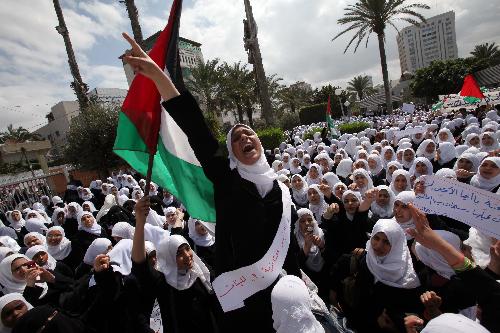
<point x="385" y="75"/>
<point x="239" y="108"/>
<point x="249" y="112"/>
<point x="77" y="85"/>
<point x="133" y="15"/>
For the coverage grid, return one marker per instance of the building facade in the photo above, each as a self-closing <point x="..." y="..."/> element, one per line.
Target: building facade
<point x="433" y="40"/>
<point x="189" y="52"/>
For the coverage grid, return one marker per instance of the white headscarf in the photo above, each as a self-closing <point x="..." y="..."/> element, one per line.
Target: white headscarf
<point x="382" y="154"/>
<point x="447" y="152"/>
<point x="471" y="136"/>
<point x="395" y="174"/>
<point x="314" y="260"/>
<point x="295" y="170"/>
<point x="166" y="253"/>
<point x="4" y="250"/>
<point x="406" y="197"/>
<point x="366" y="175"/>
<point x="109" y="202"/>
<point x="78" y="210"/>
<point x="470" y="157"/>
<point x="300" y="196"/>
<point x="331" y="179"/>
<point x="275" y="165"/>
<point x="452" y="322"/>
<point x="260" y="173"/>
<point x="428" y="164"/>
<point x="56" y="212"/>
<point x="291" y="305"/>
<point x="388" y="175"/>
<point x="406" y="164"/>
<point x="344" y="168"/>
<point x="123" y="230"/>
<point x="63" y="249"/>
<point x="436" y="261"/>
<point x="486" y="184"/>
<point x="9" y="283"/>
<point x="17" y="225"/>
<point x="95" y="229"/>
<point x="4" y="300"/>
<point x="10" y="243"/>
<point x="36" y="225"/>
<point x="206" y="240"/>
<point x="321" y="207"/>
<point x="32" y="251"/>
<point x="97" y="247"/>
<point x="421" y="151"/>
<point x="396" y="268"/>
<point x="388" y="210"/>
<point x="91" y="206"/>
<point x="87" y="194"/>
<point x="491" y="147"/>
<point x="450" y="139"/>
<point x="37" y="235"/>
<point x="480" y="244"/>
<point x="378" y="160"/>
<point x="121" y="257"/>
<point x="317" y="180"/>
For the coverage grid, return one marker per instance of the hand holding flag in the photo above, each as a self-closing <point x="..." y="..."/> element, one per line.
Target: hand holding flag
<point x="139" y="60"/>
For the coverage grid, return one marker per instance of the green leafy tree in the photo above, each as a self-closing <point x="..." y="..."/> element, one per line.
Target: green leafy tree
<point x="19" y="134"/>
<point x="372" y="16"/>
<point x="360" y="85"/>
<point x="443" y="77"/>
<point x="487" y="52"/>
<point x="293" y="97"/>
<point x="91" y="138"/>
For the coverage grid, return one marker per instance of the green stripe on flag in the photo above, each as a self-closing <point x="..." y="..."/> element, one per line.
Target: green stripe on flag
<point x="190" y="185"/>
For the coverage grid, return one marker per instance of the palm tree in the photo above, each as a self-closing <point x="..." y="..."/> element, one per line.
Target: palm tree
<point x="81" y="89"/>
<point x="133" y="15"/>
<point x="293" y="97"/>
<point x="239" y="89"/>
<point x="488" y="52"/>
<point x="372" y="16"/>
<point x="360" y="85"/>
<point x="18" y="135"/>
<point x="205" y="82"/>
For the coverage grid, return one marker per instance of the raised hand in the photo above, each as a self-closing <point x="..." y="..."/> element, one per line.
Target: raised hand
<point x="101" y="263"/>
<point x="31" y="276"/>
<point x="140" y="60"/>
<point x="412" y="323"/>
<point x="45" y="275"/>
<point x="461" y="173"/>
<point x="142" y="210"/>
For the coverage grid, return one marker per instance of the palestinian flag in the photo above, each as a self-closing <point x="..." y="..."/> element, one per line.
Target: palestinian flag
<point x="329" y="120"/>
<point x="470" y="91"/>
<point x="145" y="128"/>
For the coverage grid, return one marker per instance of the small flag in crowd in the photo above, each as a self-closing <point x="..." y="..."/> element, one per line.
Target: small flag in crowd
<point x="470" y="90"/>
<point x="146" y="128"/>
<point x="329" y="120"/>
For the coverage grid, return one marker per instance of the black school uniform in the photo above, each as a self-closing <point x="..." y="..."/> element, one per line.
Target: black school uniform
<point x="236" y="197"/>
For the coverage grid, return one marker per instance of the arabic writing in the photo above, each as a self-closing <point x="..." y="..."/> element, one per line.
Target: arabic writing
<point x="468" y="204"/>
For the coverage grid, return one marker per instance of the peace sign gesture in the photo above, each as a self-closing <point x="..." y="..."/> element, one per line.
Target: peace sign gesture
<point x="140" y="60"/>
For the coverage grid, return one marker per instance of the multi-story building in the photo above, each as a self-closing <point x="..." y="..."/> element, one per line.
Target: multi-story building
<point x="433" y="40"/>
<point x="59" y="118"/>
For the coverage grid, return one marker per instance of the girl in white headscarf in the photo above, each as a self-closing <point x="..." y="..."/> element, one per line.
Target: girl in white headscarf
<point x="299" y="191"/>
<point x="311" y="241"/>
<point x="408" y="158"/>
<point x="98" y="246"/>
<point x="314" y="174"/>
<point x="445" y="135"/>
<point x="13" y="276"/>
<point x="5" y="251"/>
<point x="295" y="167"/>
<point x="488" y="176"/>
<point x="10" y="243"/>
<point x="363" y="181"/>
<point x="427" y="149"/>
<point x="122" y="230"/>
<point x="466" y="167"/>
<point x="388" y="155"/>
<point x="16" y="221"/>
<point x="489" y="142"/>
<point x="203" y="239"/>
<point x="391" y="167"/>
<point x="59" y="247"/>
<point x="73" y="209"/>
<point x="277" y="165"/>
<point x="472" y="140"/>
<point x="400" y="181"/>
<point x="8" y="304"/>
<point x="452" y="322"/>
<point x="291" y="305"/>
<point x="34" y="238"/>
<point x="306" y="161"/>
<point x="421" y="166"/>
<point x="36" y="225"/>
<point x="317" y="203"/>
<point x="402" y="213"/>
<point x="383" y="205"/>
<point x="40" y="255"/>
<point x="351" y="145"/>
<point x="376" y="166"/>
<point x="286" y="161"/>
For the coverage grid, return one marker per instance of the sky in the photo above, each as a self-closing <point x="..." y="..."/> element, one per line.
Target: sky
<point x="294" y="35"/>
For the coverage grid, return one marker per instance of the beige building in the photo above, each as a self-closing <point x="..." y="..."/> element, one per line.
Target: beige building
<point x="433" y="40"/>
<point x="59" y="120"/>
<point x="15" y="152"/>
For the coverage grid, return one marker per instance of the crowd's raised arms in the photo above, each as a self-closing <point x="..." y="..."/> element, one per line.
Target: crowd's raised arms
<point x="320" y="234"/>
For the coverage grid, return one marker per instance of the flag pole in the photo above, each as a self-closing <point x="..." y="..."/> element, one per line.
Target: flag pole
<point x="148" y="173"/>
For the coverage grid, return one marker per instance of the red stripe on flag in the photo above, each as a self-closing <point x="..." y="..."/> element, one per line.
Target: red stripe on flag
<point x="142" y="104"/>
<point x="471" y="88"/>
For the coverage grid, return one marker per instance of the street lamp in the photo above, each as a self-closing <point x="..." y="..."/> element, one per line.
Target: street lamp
<point x="347" y="108"/>
<point x="338" y="92"/>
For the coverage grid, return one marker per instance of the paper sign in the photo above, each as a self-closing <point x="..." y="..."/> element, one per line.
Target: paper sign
<point x="408" y="108"/>
<point x="468" y="204"/>
<point x="407" y="132"/>
<point x="155" y="321"/>
<point x="233" y="287"/>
